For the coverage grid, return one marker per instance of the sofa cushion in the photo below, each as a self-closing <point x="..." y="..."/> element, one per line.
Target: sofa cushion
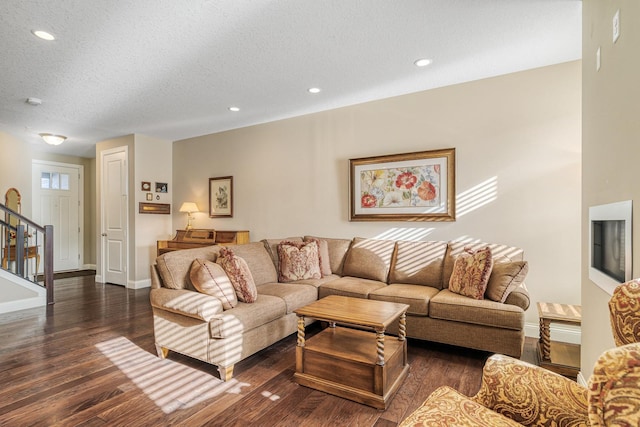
<point x="337" y="250"/>
<point x="271" y="245"/>
<point x="298" y="260"/>
<point x="189" y="303"/>
<point x="209" y="278"/>
<point x="369" y="259"/>
<point x="416" y="296"/>
<point x="258" y="260"/>
<point x="447" y="305"/>
<point x="174" y="266"/>
<point x="418" y="263"/>
<point x="447" y="407"/>
<point x="505" y="277"/>
<point x="295" y="295"/>
<point x="471" y="273"/>
<point x="350" y="287"/>
<point x="498" y="252"/>
<point x="318" y="282"/>
<point x="239" y="275"/>
<point x="245" y="317"/>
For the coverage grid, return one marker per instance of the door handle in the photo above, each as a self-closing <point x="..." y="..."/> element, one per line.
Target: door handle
<point x="104" y="234"/>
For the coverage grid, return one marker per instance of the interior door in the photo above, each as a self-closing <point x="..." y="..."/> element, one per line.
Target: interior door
<point x="56" y="201"/>
<point x="114" y="215"/>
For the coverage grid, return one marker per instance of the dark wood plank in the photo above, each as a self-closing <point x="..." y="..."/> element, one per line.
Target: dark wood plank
<point x="90" y="360"/>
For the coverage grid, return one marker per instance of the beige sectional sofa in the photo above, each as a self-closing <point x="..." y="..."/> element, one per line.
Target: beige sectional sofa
<point x="415" y="273"/>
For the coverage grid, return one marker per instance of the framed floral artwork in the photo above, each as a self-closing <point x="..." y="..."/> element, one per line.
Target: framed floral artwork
<point x="403" y="187"/>
<point x="221" y="197"/>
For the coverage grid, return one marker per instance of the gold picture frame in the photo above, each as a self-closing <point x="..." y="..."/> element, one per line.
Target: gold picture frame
<point x="154" y="208"/>
<point x="403" y="187"/>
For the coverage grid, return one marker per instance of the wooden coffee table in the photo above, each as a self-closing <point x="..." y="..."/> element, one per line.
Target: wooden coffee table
<point x="353" y="363"/>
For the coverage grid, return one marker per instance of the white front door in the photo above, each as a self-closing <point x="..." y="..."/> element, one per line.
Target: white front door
<point x="56" y="201"/>
<point x="114" y="221"/>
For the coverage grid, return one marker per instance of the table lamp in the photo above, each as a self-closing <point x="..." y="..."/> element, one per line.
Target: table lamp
<point x="189" y="208"/>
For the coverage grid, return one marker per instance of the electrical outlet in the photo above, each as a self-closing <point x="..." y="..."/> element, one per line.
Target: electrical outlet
<point x="598" y="59"/>
<point x="616" y="26"/>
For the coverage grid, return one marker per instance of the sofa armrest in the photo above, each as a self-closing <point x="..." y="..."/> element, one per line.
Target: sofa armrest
<point x="189" y="303"/>
<point x="531" y="395"/>
<point x="519" y="297"/>
<point x="446" y="407"/>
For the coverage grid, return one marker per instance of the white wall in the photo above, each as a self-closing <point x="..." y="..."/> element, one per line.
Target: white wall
<point x="520" y="131"/>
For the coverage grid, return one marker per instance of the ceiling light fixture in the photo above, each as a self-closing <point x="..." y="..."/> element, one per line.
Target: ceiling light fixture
<point x="43" y="35"/>
<point x="423" y="62"/>
<point x="314" y="90"/>
<point x="52" y="139"/>
<point x="234" y="109"/>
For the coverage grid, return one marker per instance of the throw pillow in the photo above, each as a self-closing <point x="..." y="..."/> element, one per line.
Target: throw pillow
<point x="209" y="278"/>
<point x="298" y="261"/>
<point x="505" y="277"/>
<point x="323" y="256"/>
<point x="471" y="272"/>
<point x="239" y="275"/>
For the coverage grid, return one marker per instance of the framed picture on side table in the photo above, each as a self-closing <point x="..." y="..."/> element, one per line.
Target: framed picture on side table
<point x="221" y="197"/>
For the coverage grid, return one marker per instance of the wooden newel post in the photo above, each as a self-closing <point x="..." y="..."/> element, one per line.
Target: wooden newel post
<point x="48" y="262"/>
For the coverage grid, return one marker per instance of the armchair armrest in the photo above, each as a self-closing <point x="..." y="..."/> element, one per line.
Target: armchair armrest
<point x="189" y="303"/>
<point x="531" y="395"/>
<point x="446" y="407"/>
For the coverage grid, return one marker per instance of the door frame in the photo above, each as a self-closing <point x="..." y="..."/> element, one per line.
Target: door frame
<point x="103" y="255"/>
<point x="80" y="170"/>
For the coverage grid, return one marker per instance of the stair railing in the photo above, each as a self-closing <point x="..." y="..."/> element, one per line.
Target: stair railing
<point x="17" y="252"/>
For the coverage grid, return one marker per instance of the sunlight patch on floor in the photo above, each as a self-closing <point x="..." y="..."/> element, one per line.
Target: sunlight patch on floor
<point x="170" y="385"/>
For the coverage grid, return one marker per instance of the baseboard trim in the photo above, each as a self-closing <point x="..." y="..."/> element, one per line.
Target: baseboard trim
<point x="562" y="333"/>
<point x="139" y="284"/>
<point x="581" y="380"/>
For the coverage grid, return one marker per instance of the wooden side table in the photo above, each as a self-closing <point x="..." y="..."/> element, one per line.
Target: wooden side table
<point x="563" y="358"/>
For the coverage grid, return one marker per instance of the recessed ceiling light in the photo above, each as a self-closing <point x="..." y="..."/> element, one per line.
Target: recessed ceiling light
<point x="234" y="109"/>
<point x="423" y="62"/>
<point x="43" y="35"/>
<point x="314" y="90"/>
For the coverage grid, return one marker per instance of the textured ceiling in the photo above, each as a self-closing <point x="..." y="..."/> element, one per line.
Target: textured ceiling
<point x="171" y="68"/>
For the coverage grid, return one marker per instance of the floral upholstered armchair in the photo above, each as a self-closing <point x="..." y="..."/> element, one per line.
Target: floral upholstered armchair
<point x="515" y="393"/>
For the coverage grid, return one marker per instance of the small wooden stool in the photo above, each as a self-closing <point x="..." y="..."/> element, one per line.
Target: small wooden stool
<point x="563" y="358"/>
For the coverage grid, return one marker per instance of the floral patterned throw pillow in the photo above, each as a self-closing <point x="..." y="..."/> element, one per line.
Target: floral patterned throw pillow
<point x="239" y="274"/>
<point x="471" y="272"/>
<point x="298" y="261"/>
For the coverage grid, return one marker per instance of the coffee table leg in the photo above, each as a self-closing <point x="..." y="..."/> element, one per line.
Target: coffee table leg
<point x="402" y="327"/>
<point x="380" y="347"/>
<point x="545" y="339"/>
<point x="300" y="331"/>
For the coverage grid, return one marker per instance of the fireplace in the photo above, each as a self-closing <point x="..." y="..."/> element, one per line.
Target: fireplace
<point x="610" y="244"/>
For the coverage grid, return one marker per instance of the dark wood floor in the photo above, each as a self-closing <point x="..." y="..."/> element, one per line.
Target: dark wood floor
<point x="90" y="360"/>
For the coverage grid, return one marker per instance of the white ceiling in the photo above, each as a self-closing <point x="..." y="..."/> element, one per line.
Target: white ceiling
<point x="171" y="68"/>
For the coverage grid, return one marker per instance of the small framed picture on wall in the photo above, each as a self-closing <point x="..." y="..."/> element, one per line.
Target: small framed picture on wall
<point x="162" y="187"/>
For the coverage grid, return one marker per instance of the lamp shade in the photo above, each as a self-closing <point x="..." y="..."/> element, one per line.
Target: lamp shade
<point x="189" y="207"/>
<point x="53" y="139"/>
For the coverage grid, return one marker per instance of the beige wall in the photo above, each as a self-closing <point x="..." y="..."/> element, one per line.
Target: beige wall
<point x="611" y="145"/>
<point x="153" y="164"/>
<point x="517" y="134"/>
